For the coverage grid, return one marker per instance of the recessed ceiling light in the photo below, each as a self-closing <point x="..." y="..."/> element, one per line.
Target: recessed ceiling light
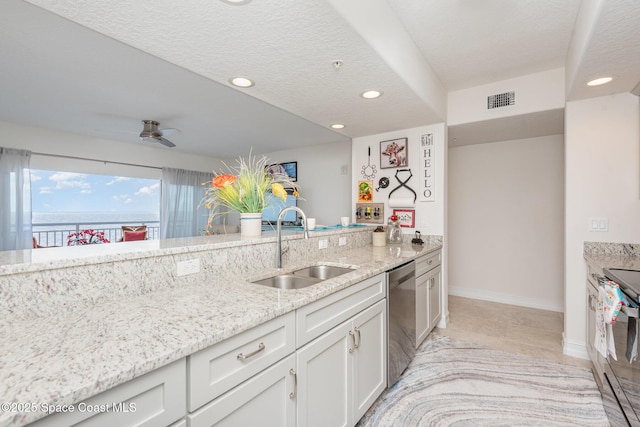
<point x="337" y="126"/>
<point x="241" y="82"/>
<point x="599" y="81"/>
<point x="371" y="94"/>
<point x="236" y="2"/>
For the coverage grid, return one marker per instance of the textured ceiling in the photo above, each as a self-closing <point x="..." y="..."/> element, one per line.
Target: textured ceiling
<point x="469" y="43"/>
<point x="98" y="68"/>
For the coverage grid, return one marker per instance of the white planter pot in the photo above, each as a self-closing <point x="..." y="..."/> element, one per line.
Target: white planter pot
<point x="250" y="224"/>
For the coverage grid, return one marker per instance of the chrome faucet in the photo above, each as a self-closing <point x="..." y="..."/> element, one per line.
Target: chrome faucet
<point x="279" y="232"/>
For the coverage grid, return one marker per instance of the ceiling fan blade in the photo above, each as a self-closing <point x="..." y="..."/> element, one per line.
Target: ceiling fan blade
<point x="166" y="142"/>
<point x="170" y="131"/>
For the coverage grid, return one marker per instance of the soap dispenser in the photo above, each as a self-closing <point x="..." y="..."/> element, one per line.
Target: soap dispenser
<point x="394" y="233"/>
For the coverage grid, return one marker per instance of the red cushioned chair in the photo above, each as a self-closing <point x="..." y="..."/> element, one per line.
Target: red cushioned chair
<point x="130" y="236"/>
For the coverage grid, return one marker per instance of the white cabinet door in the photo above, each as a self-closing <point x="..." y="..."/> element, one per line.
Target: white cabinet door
<point x="341" y="373"/>
<point x="422" y="308"/>
<point x="154" y="399"/>
<point x="267" y="399"/>
<point x="323" y="391"/>
<point x="435" y="297"/>
<point x="369" y="358"/>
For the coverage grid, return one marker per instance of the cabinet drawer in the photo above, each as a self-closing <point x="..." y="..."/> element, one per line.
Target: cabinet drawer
<point x="427" y="262"/>
<point x="217" y="369"/>
<point x="154" y="399"/>
<point x="316" y="318"/>
<point x="267" y="399"/>
<point x="592" y="275"/>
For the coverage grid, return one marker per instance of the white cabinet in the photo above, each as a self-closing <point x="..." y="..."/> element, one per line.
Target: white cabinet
<point x="435" y="297"/>
<point x="154" y="399"/>
<point x="428" y="294"/>
<point x="592" y="301"/>
<point x="342" y="372"/>
<point x="316" y="318"/>
<point x="369" y="358"/>
<point x="217" y="369"/>
<point x="258" y="378"/>
<point x="267" y="399"/>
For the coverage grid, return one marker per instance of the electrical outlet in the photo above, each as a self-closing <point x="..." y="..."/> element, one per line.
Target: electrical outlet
<point x="342" y="241"/>
<point x="185" y="268"/>
<point x="323" y="244"/>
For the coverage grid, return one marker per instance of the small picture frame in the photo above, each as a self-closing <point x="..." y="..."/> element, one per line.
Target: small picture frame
<point x="393" y="153"/>
<point x="365" y="191"/>
<point x="288" y="168"/>
<point x="406" y="217"/>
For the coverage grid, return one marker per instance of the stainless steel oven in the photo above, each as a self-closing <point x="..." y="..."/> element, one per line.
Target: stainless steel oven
<point x="622" y="376"/>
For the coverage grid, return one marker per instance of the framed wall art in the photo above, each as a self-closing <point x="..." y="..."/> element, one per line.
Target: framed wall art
<point x="406" y="217"/>
<point x="365" y="191"/>
<point x="393" y="153"/>
<point x="369" y="213"/>
<point x="289" y="168"/>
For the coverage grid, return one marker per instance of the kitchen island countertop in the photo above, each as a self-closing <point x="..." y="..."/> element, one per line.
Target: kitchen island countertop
<point x="63" y="360"/>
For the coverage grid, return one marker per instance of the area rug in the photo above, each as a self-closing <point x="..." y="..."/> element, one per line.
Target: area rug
<point x="455" y="383"/>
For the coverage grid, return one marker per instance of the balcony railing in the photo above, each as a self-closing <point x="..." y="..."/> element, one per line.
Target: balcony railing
<point x="56" y="234"/>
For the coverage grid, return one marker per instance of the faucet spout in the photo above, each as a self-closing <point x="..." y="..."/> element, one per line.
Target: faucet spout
<point x="279" y="231"/>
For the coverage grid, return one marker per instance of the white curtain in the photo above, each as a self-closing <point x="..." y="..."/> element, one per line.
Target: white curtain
<point x="15" y="200"/>
<point x="182" y="191"/>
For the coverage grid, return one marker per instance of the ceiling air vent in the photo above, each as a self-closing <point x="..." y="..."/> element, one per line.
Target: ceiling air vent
<point x="501" y="100"/>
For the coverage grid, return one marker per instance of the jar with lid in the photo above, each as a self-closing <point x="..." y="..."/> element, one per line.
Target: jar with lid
<point x="394" y="233"/>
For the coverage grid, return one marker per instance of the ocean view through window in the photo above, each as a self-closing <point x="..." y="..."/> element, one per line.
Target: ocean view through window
<point x="65" y="203"/>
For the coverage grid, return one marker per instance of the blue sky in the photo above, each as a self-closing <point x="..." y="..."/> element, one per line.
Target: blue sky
<point x="54" y="191"/>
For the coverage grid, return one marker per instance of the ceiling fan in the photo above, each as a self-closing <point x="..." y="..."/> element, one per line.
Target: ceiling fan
<point x="151" y="133"/>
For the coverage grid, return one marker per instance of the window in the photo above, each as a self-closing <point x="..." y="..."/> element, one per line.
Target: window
<point x="66" y="202"/>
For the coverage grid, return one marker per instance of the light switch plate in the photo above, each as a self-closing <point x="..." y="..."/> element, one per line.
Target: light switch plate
<point x="599" y="224"/>
<point x="323" y="244"/>
<point x="342" y="241"/>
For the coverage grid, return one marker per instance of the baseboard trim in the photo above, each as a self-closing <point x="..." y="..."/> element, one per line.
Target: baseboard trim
<point x="504" y="298"/>
<point x="574" y="349"/>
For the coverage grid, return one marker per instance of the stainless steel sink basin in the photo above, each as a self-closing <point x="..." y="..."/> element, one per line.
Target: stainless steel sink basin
<point x="322" y="272"/>
<point x="303" y="277"/>
<point x="288" y="281"/>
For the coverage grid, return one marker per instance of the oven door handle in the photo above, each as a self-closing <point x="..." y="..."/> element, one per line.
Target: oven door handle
<point x="631" y="310"/>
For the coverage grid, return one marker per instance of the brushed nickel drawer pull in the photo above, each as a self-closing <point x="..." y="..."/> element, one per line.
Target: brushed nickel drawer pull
<point x="353" y="339"/>
<point x="359" y="338"/>
<point x="292" y="395"/>
<point x="241" y="356"/>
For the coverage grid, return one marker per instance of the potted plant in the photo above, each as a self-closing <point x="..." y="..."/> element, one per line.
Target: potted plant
<point x="246" y="188"/>
<point x="86" y="237"/>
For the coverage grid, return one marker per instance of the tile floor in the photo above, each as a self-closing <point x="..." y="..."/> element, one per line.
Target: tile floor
<point x="510" y="328"/>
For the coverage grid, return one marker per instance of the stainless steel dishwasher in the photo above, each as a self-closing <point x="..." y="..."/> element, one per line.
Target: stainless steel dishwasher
<point x="401" y="324"/>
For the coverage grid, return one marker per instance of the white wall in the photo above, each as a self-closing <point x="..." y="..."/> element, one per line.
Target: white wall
<point x="430" y="217"/>
<point x="506" y="226"/>
<point x="324" y="177"/>
<point x="602" y="180"/>
<point x="40" y="140"/>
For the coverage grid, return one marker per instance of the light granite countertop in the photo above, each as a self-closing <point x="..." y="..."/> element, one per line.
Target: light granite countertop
<point x="601" y="261"/>
<point x="72" y="357"/>
<point x="612" y="255"/>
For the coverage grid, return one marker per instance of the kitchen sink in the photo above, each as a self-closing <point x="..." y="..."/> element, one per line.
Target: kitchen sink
<point x="304" y="277"/>
<point x="322" y="272"/>
<point x="288" y="281"/>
